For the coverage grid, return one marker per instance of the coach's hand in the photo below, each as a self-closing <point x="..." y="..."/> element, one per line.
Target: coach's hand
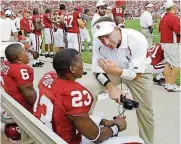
<point x="110" y="67"/>
<point x="114" y="92"/>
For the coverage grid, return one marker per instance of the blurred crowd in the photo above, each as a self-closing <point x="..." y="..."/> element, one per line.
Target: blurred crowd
<point x="133" y="8"/>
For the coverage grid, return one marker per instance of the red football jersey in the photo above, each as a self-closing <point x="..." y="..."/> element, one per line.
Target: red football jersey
<point x="36" y="19"/>
<point x="58" y="99"/>
<point x="156" y="54"/>
<point x="16" y="75"/>
<point x="25" y="24"/>
<point x="71" y="23"/>
<point x="118" y="11"/>
<point x="46" y="21"/>
<point x="47" y="79"/>
<point x="58" y="21"/>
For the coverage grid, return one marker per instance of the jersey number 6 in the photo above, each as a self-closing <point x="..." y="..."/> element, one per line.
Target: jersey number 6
<point x="24" y="74"/>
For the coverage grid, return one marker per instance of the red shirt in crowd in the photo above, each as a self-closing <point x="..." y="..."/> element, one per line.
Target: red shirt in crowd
<point x="14" y="76"/>
<point x="169" y="29"/>
<point x="25" y="24"/>
<point x="46" y="20"/>
<point x="61" y="98"/>
<point x="71" y="23"/>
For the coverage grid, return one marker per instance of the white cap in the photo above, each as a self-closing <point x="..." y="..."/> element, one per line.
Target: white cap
<point x="168" y="4"/>
<point x="110" y="8"/>
<point x="149" y="5"/>
<point x="7" y="12"/>
<point x="103" y="28"/>
<point x="100" y="3"/>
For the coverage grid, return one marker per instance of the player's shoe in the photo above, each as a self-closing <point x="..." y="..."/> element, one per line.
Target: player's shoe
<point x="47" y="55"/>
<point x="160" y="82"/>
<point x="51" y="56"/>
<point x="42" y="54"/>
<point x="40" y="63"/>
<point x="37" y="65"/>
<point x="84" y="72"/>
<point x="173" y="88"/>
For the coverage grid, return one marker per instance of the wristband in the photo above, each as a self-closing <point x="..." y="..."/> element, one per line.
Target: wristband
<point x="103" y="78"/>
<point x="97" y="136"/>
<point x="115" y="129"/>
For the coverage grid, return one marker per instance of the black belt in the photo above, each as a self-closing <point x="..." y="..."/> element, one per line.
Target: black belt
<point x="145" y="28"/>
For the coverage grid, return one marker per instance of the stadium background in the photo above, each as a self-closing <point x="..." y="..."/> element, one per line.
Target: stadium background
<point x="133" y="9"/>
<point x="87" y="56"/>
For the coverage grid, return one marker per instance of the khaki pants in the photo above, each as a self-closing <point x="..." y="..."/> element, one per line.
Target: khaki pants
<point x="172" y="53"/>
<point x="148" y="36"/>
<point x="141" y="91"/>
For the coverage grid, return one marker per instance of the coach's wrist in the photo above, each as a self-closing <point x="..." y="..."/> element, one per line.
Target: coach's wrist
<point x="109" y="86"/>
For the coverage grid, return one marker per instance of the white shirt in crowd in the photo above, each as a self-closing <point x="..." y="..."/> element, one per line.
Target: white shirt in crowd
<point x="17" y="22"/>
<point x="130" y="56"/>
<point x="6" y="27"/>
<point x="146" y="19"/>
<point x="95" y="17"/>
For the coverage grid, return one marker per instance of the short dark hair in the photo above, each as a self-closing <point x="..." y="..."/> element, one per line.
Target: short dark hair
<point x="62" y="7"/>
<point x="86" y="10"/>
<point x="12" y="51"/>
<point x="63" y="60"/>
<point x="47" y="10"/>
<point x="35" y="11"/>
<point x="102" y="19"/>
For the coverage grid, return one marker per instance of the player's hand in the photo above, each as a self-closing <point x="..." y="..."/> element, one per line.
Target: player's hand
<point x="114" y="92"/>
<point x="107" y="123"/>
<point x="110" y="67"/>
<point x="23" y="37"/>
<point x="121" y="122"/>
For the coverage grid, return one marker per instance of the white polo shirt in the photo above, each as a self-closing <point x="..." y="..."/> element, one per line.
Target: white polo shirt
<point x="6" y="27"/>
<point x="146" y="19"/>
<point x="131" y="54"/>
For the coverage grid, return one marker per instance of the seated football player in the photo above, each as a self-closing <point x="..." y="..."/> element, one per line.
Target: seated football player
<point x="64" y="104"/>
<point x="17" y="80"/>
<point x="17" y="77"/>
<point x="157" y="64"/>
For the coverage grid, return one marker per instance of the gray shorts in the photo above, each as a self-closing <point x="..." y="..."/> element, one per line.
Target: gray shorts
<point x="172" y="53"/>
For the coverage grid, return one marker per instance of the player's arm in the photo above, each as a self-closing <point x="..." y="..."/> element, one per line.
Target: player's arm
<point x="61" y="19"/>
<point x="81" y="23"/>
<point x="90" y="130"/>
<point x="49" y="18"/>
<point x="29" y="93"/>
<point x="22" y="25"/>
<point x="118" y="20"/>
